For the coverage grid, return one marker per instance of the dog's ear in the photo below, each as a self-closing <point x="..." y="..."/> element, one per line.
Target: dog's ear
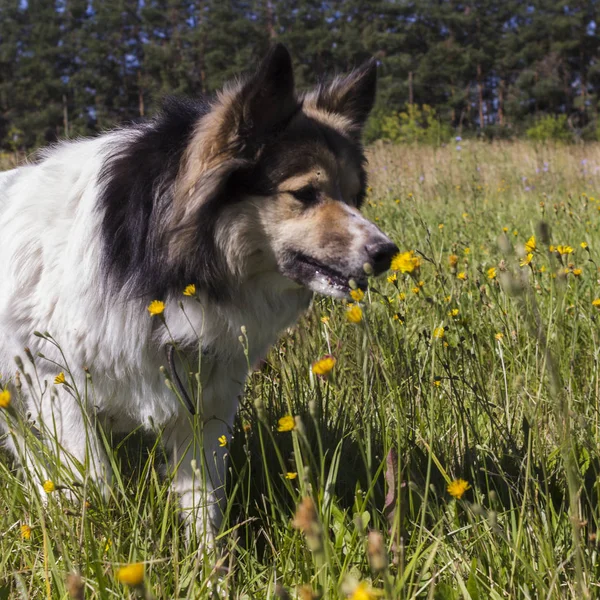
<point x="351" y="95"/>
<point x="268" y="99"/>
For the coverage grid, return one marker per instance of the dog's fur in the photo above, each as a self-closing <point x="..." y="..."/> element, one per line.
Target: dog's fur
<point x="252" y="196"/>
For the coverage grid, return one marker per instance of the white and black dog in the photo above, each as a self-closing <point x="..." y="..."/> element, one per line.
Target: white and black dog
<point x="252" y="196"/>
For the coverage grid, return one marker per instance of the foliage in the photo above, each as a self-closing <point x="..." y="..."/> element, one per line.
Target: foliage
<point x="415" y="125"/>
<point x="506" y="398"/>
<point x="550" y="128"/>
<point x="74" y="68"/>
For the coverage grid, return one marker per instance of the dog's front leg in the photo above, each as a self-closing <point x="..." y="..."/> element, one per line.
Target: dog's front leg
<point x="67" y="430"/>
<point x="199" y="456"/>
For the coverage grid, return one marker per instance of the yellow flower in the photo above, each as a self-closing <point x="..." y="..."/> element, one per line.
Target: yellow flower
<point x="324" y="365"/>
<point x="441" y="226"/>
<point x="596" y="302"/>
<point x="457" y="488"/>
<point x="325" y="320"/>
<point x="416" y="290"/>
<point x="453" y="260"/>
<point x="505" y="229"/>
<point x="131" y="575"/>
<point x="438" y="333"/>
<point x="25" y="532"/>
<point x="190" y="290"/>
<point x="491" y="273"/>
<point x="354" y="314"/>
<point x="453" y="313"/>
<point x="156" y="307"/>
<point x="4" y="399"/>
<point x="401" y="296"/>
<point x="291" y="475"/>
<point x="564" y="249"/>
<point x="577" y="272"/>
<point x="49" y="486"/>
<point x="499" y="336"/>
<point x="525" y="261"/>
<point x="357" y="295"/>
<point x="60" y="378"/>
<point x="515" y="232"/>
<point x="393" y="277"/>
<point x="467" y="251"/>
<point x="584" y="245"/>
<point x="405" y="262"/>
<point x="363" y="591"/>
<point x="437" y="381"/>
<point x="462" y="276"/>
<point x="286" y="423"/>
<point x="222" y="441"/>
<point x="530" y="245"/>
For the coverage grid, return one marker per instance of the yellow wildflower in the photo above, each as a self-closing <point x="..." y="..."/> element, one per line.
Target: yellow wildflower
<point x="467" y="251"/>
<point x="491" y="273"/>
<point x="441" y="226"/>
<point x="525" y="261"/>
<point x="401" y="296"/>
<point x="131" y="575"/>
<point x="291" y="475"/>
<point x="453" y="260"/>
<point x="49" y="486"/>
<point x="363" y="591"/>
<point x="25" y="532"/>
<point x="393" y="277"/>
<point x="405" y="262"/>
<point x="577" y="272"/>
<point x="354" y="314"/>
<point x="453" y="313"/>
<point x="60" y="378"/>
<point x="457" y="488"/>
<point x="416" y="290"/>
<point x="438" y="333"/>
<point x="584" y="245"/>
<point x="286" y="423"/>
<point x="222" y="441"/>
<point x="596" y="302"/>
<point x="325" y="320"/>
<point x="499" y="336"/>
<point x="505" y="229"/>
<point x="357" y="295"/>
<point x="156" y="307"/>
<point x="190" y="290"/>
<point x="530" y="245"/>
<point x="564" y="250"/>
<point x="462" y="276"/>
<point x="4" y="399"/>
<point x="324" y="365"/>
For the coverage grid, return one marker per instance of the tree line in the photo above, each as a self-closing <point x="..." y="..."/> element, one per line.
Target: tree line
<point x="486" y="67"/>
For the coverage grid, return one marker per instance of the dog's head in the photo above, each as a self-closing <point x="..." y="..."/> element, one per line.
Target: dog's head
<point x="280" y="177"/>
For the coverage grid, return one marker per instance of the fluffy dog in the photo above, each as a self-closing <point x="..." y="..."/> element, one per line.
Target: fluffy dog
<point x="252" y="197"/>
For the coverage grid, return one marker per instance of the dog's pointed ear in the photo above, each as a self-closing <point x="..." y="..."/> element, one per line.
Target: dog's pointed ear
<point x="269" y="97"/>
<point x="351" y="95"/>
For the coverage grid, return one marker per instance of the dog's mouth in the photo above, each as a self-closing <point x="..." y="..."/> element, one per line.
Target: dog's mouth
<point x="322" y="278"/>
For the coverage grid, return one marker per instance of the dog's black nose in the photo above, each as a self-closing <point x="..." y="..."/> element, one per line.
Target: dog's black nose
<point x="380" y="254"/>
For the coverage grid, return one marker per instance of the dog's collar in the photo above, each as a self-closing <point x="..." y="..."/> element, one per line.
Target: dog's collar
<point x="170" y="350"/>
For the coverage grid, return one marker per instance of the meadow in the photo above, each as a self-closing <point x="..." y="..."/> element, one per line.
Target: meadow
<point x="445" y="432"/>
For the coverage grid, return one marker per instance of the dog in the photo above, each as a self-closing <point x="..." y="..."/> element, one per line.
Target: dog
<point x="248" y="201"/>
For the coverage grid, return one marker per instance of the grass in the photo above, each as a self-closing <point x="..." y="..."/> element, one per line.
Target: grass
<point x="505" y="396"/>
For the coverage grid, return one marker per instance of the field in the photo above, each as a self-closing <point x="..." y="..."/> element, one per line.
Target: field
<point x="476" y="360"/>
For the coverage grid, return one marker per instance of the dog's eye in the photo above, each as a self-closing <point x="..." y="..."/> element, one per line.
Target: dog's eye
<point x="306" y="195"/>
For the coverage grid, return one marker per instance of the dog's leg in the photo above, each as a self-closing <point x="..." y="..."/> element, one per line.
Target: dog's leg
<point x="70" y="442"/>
<point x="199" y="459"/>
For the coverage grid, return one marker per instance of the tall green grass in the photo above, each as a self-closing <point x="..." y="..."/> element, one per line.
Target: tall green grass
<point x="353" y="502"/>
